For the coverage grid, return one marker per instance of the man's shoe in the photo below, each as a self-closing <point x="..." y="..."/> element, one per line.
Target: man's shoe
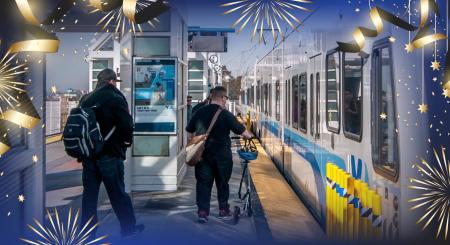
<point x="136" y="230"/>
<point x="225" y="214"/>
<point x="202" y="217"/>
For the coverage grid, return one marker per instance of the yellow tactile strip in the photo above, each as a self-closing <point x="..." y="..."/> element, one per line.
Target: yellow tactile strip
<point x="287" y="217"/>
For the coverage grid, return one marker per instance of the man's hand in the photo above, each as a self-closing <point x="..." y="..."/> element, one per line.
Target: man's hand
<point x="247" y="135"/>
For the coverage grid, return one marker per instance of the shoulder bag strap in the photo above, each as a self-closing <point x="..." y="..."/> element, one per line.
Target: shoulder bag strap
<point x="214" y="120"/>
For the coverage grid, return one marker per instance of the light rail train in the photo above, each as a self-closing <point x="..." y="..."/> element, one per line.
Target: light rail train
<point x="311" y="104"/>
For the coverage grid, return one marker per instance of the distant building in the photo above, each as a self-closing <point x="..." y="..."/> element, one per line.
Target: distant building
<point x="53" y="116"/>
<point x="58" y="109"/>
<point x="201" y="74"/>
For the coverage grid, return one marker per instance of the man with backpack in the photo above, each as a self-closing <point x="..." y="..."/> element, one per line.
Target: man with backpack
<point x="98" y="133"/>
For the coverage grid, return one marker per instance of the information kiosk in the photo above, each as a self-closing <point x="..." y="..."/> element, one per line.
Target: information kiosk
<point x="153" y="67"/>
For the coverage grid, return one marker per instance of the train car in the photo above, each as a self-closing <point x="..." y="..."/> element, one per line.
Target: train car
<point x="313" y="105"/>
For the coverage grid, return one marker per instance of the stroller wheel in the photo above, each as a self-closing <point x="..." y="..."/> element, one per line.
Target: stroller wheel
<point x="236" y="214"/>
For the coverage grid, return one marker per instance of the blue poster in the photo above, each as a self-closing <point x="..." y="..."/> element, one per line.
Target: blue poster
<point x="154" y="95"/>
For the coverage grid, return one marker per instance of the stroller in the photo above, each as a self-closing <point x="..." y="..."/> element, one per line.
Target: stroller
<point x="247" y="153"/>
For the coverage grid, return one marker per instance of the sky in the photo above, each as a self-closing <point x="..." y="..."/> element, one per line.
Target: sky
<point x="240" y="58"/>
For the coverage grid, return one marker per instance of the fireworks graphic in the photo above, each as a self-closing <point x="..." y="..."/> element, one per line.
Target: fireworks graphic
<point x="435" y="188"/>
<point x="64" y="233"/>
<point x="266" y="14"/>
<point x="9" y="71"/>
<point x="115" y="20"/>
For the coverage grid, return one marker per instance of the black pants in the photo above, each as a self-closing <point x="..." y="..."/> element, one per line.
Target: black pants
<point x="110" y="171"/>
<point x="208" y="171"/>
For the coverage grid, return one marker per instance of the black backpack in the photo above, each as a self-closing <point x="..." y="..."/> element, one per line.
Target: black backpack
<point x="82" y="136"/>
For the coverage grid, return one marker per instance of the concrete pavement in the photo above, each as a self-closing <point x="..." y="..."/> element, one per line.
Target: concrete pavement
<point x="171" y="218"/>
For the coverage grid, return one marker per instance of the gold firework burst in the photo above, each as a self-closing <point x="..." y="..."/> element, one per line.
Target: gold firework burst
<point x="435" y="188"/>
<point x="64" y="232"/>
<point x="115" y="20"/>
<point x="9" y="87"/>
<point x="266" y="14"/>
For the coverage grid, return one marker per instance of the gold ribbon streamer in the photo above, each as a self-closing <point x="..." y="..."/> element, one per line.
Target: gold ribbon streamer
<point x="146" y="14"/>
<point x="129" y="8"/>
<point x="24" y="113"/>
<point x="421" y="39"/>
<point x="106" y="5"/>
<point x="377" y="15"/>
<point x="45" y="41"/>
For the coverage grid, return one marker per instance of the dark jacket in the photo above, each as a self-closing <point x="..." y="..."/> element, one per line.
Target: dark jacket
<point x="218" y="144"/>
<point x="113" y="111"/>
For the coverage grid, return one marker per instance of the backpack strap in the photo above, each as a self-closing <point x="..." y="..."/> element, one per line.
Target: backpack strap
<point x="103" y="100"/>
<point x="214" y="120"/>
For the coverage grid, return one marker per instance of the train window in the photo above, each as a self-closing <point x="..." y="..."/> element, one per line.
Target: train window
<point x="352" y="95"/>
<point x="384" y="137"/>
<point x="317" y="104"/>
<point x="332" y="94"/>
<point x="266" y="99"/>
<point x="303" y="90"/>
<point x="295" y="101"/>
<point x="277" y="100"/>
<point x="258" y="93"/>
<point x="270" y="100"/>
<point x="311" y="103"/>
<point x="288" y="102"/>
<point x="252" y="93"/>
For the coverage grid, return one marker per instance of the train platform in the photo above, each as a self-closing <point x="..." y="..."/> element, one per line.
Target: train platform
<point x="169" y="217"/>
<point x="287" y="217"/>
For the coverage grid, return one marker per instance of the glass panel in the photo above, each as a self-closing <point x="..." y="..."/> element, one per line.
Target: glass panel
<point x="196" y="65"/>
<point x="317" y="103"/>
<point x="151" y="46"/>
<point x="196" y="85"/>
<point x="108" y="45"/>
<point x="151" y="146"/>
<point x="101" y="64"/>
<point x="196" y="96"/>
<point x="303" y="102"/>
<point x="295" y="102"/>
<point x="277" y="100"/>
<point x="196" y="75"/>
<point x="352" y="107"/>
<point x="387" y="136"/>
<point x="95" y="74"/>
<point x="333" y="92"/>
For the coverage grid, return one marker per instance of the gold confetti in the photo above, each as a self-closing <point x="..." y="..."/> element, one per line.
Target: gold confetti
<point x="21" y="198"/>
<point x="435" y="65"/>
<point x="446" y="93"/>
<point x="392" y="39"/>
<point x="383" y="116"/>
<point x="409" y="48"/>
<point x="423" y="108"/>
<point x="35" y="159"/>
<point x="54" y="89"/>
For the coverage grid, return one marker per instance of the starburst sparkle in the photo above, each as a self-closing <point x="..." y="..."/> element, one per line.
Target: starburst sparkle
<point x="9" y="70"/>
<point x="435" y="196"/>
<point x="116" y="21"/>
<point x="64" y="232"/>
<point x="266" y="14"/>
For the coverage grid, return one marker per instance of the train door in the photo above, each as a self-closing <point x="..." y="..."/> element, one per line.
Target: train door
<point x="277" y="128"/>
<point x="316" y="64"/>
